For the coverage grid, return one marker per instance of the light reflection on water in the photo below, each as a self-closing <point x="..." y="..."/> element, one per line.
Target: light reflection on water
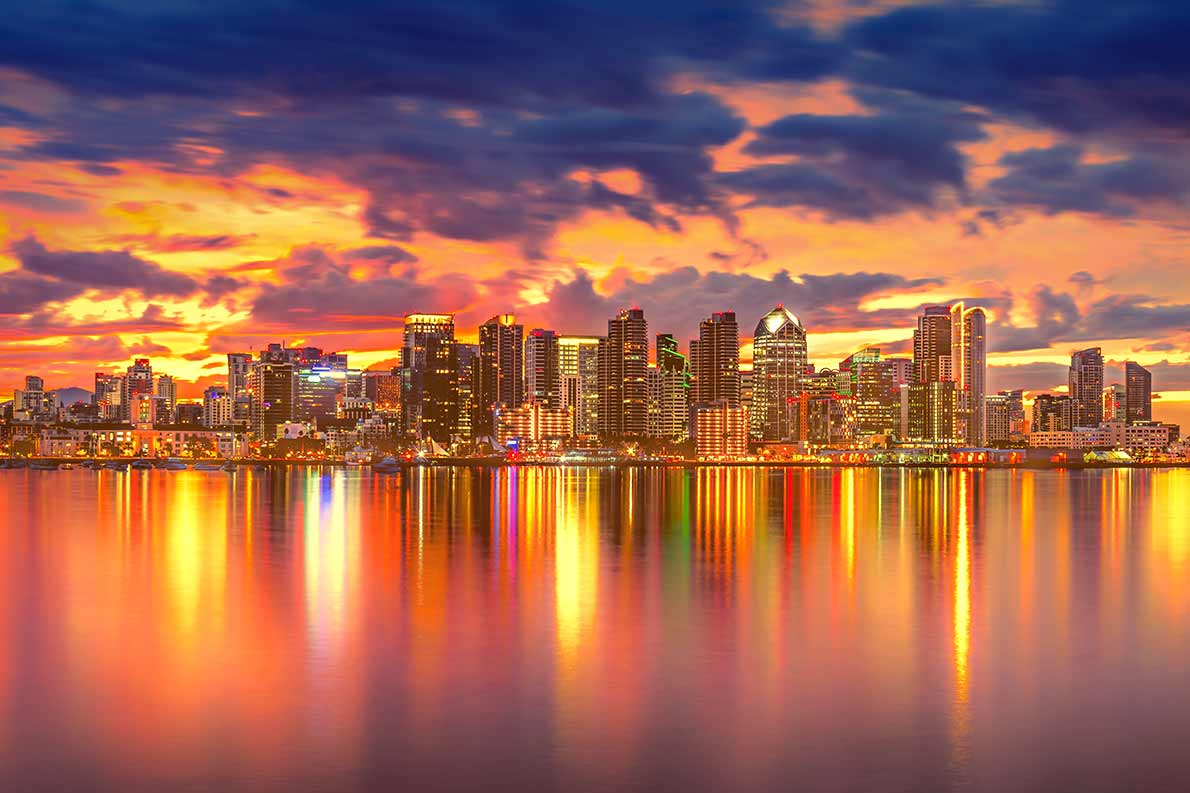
<point x="540" y="628"/>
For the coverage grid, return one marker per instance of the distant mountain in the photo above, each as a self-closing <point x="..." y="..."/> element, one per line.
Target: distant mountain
<point x="68" y="396"/>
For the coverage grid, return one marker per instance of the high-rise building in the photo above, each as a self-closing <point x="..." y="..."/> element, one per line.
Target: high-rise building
<point x="715" y="360"/>
<point x="317" y="391"/>
<point x="1018" y="428"/>
<point x="239" y="370"/>
<point x="543" y="373"/>
<point x="1114" y="399"/>
<point x="669" y="413"/>
<point x="167" y="390"/>
<point x="217" y="407"/>
<point x="107" y="395"/>
<point x="1138" y="399"/>
<point x="500" y="374"/>
<point x="467" y="363"/>
<point x="623" y="373"/>
<point x="578" y="361"/>
<point x="532" y="423"/>
<point x="932" y="411"/>
<point x="864" y="376"/>
<point x="1086" y="388"/>
<point x="382" y="388"/>
<point x="137" y="380"/>
<point x="999" y="419"/>
<point x="721" y="430"/>
<point x="950" y="345"/>
<point x="1051" y="413"/>
<point x="969" y="363"/>
<point x="272" y="388"/>
<point x="779" y="366"/>
<point x="932" y="338"/>
<point x="429" y="376"/>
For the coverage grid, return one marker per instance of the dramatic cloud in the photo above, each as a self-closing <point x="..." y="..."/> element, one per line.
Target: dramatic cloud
<point x="856" y="166"/>
<point x="109" y="270"/>
<point x="677" y="300"/>
<point x="1058" y="180"/>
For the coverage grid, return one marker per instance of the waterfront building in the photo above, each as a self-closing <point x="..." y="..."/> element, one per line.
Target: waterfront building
<point x="532" y="424"/>
<point x="578" y="363"/>
<point x="429" y="376"/>
<point x="218" y="410"/>
<point x="721" y="430"/>
<point x="1138" y="393"/>
<point x="1086" y="387"/>
<point x="1051" y="413"/>
<point x="543" y="373"/>
<point x="271" y="386"/>
<point x="1114" y="399"/>
<point x="779" y="367"/>
<point x="715" y="360"/>
<point x="167" y="390"/>
<point x="499" y="378"/>
<point x="623" y="373"/>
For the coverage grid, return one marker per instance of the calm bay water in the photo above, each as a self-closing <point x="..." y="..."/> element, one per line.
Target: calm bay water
<point x="550" y="629"/>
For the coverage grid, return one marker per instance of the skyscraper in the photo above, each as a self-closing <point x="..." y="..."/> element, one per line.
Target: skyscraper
<point x="167" y="392"/>
<point x="500" y="375"/>
<point x="1114" y="399"/>
<point x="877" y="399"/>
<point x="137" y="380"/>
<point x="716" y="360"/>
<point x="623" y="373"/>
<point x="578" y="360"/>
<point x="429" y="376"/>
<point x="1086" y="387"/>
<point x="272" y="388"/>
<point x="968" y="352"/>
<point x="931" y="345"/>
<point x="1051" y="413"/>
<point x="778" y="371"/>
<point x="950" y="345"/>
<point x="239" y="366"/>
<point x="1138" y="397"/>
<point x="669" y="394"/>
<point x="466" y="361"/>
<point x="543" y="374"/>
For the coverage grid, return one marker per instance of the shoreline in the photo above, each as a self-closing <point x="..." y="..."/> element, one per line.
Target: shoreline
<point x="467" y="462"/>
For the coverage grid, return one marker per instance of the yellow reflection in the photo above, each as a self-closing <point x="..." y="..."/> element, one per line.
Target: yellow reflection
<point x="962" y="624"/>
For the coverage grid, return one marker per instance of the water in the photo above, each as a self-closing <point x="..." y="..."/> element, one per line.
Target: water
<point x="548" y="629"/>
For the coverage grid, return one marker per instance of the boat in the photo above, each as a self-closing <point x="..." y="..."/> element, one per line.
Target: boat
<point x="207" y="467"/>
<point x="43" y="465"/>
<point x="230" y="467"/>
<point x="115" y="465"/>
<point x="66" y="466"/>
<point x="388" y="465"/>
<point x="174" y="465"/>
<point x="17" y="462"/>
<point x="141" y="464"/>
<point x="89" y="464"/>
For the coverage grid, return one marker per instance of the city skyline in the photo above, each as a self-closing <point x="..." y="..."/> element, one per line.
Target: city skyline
<point x="514" y="392"/>
<point x="812" y="158"/>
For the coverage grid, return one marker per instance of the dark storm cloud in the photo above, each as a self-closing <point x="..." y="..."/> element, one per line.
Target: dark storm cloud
<point x="1075" y="65"/>
<point x="318" y="291"/>
<point x="1057" y="180"/>
<point x="676" y="300"/>
<point x="1059" y="319"/>
<point x="466" y="118"/>
<point x="904" y="155"/>
<point x="492" y="52"/>
<point x="107" y="270"/>
<point x="21" y="293"/>
<point x="41" y="202"/>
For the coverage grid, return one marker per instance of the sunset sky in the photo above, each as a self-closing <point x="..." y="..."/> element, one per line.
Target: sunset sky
<point x="183" y="179"/>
